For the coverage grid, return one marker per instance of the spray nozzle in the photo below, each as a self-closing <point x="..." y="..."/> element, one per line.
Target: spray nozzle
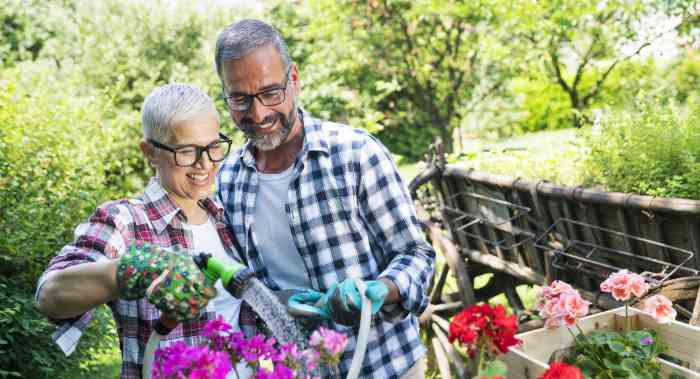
<point x="233" y="275"/>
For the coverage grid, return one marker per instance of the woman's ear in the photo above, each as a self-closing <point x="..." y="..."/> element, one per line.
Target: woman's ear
<point x="148" y="152"/>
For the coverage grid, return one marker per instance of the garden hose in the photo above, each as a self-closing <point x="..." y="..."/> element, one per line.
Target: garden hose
<point x="164" y="325"/>
<point x="365" y="321"/>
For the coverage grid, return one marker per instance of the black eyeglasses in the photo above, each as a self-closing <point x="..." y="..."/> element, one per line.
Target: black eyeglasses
<point x="241" y="102"/>
<point x="189" y="155"/>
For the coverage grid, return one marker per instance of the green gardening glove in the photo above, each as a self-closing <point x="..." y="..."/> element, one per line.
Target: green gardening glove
<point x="170" y="280"/>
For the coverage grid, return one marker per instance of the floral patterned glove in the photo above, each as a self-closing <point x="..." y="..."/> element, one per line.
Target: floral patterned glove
<point x="170" y="279"/>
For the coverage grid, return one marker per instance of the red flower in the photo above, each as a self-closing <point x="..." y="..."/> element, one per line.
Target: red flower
<point x="482" y="322"/>
<point x="559" y="370"/>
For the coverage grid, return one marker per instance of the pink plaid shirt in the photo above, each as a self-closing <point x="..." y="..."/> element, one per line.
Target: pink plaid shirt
<point x="153" y="218"/>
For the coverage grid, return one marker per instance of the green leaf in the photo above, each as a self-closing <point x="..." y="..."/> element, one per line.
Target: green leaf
<point x="494" y="368"/>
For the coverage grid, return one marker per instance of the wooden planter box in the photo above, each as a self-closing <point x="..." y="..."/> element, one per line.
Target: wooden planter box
<point x="529" y="360"/>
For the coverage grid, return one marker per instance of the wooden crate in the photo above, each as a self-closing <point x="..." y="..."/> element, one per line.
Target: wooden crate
<point x="529" y="360"/>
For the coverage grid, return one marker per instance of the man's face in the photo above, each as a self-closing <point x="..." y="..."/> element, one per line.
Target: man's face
<point x="266" y="126"/>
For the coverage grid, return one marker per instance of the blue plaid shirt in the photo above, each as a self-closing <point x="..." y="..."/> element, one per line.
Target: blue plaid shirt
<point x="351" y="217"/>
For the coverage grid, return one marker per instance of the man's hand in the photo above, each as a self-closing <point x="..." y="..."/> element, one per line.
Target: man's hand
<point x="343" y="300"/>
<point x="171" y="281"/>
<point x="303" y="303"/>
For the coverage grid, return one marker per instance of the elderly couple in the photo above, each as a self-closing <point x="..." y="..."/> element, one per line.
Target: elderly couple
<point x="305" y="204"/>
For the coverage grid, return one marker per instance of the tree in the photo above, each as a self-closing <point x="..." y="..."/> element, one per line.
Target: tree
<point x="579" y="43"/>
<point x="411" y="70"/>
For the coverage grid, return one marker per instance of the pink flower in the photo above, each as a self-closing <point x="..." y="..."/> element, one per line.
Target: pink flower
<point x="328" y="342"/>
<point x="559" y="304"/>
<point x="573" y="305"/>
<point x="623" y="284"/>
<point x="311" y="358"/>
<point x="551" y="291"/>
<point x="661" y="308"/>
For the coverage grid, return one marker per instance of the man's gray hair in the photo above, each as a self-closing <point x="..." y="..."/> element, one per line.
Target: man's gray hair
<point x="245" y="36"/>
<point x="170" y="104"/>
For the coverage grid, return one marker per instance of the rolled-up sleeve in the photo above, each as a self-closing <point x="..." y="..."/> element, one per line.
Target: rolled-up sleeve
<point x="389" y="212"/>
<point x="103" y="236"/>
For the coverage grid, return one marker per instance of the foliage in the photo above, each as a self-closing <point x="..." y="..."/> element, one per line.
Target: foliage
<point x="22" y="38"/>
<point x="580" y="43"/>
<point x="411" y="70"/>
<point x="619" y="355"/>
<point x="685" y="77"/>
<point x="53" y="156"/>
<point x="544" y="105"/>
<point x="55" y="152"/>
<point x="650" y="149"/>
<point x="26" y="350"/>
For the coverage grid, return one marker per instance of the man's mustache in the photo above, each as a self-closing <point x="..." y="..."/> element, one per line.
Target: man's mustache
<point x="248" y="123"/>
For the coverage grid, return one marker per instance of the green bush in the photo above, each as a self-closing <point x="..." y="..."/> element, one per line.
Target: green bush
<point x="26" y="349"/>
<point x="56" y="165"/>
<point x="652" y="148"/>
<point x="54" y="152"/>
<point x="545" y="106"/>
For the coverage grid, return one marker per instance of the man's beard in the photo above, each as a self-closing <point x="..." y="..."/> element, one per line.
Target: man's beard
<point x="268" y="142"/>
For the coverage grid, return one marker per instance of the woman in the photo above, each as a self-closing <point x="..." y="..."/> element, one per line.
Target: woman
<point x="182" y="141"/>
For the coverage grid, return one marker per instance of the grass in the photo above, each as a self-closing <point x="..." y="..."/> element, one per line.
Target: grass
<point x="555" y="156"/>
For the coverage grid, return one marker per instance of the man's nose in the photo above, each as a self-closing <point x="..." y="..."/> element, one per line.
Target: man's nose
<point x="257" y="111"/>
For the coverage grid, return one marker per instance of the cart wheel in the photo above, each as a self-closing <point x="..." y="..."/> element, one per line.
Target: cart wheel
<point x="450" y="291"/>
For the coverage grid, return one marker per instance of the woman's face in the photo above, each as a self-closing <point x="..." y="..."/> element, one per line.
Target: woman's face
<point x="188" y="184"/>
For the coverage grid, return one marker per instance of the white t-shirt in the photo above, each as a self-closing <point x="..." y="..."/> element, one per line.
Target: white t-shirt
<point x="206" y="239"/>
<point x="273" y="235"/>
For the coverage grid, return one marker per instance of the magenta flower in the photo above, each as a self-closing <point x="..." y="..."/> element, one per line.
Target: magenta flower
<point x="216" y="327"/>
<point x="190" y="362"/>
<point x="226" y="348"/>
<point x="258" y="348"/>
<point x="280" y="371"/>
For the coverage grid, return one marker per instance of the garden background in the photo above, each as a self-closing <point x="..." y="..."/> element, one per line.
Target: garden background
<point x="579" y="92"/>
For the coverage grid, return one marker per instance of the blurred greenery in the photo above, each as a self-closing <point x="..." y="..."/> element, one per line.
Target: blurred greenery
<point x="502" y="83"/>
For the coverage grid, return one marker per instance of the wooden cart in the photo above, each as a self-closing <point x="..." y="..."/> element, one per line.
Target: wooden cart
<point x="526" y="232"/>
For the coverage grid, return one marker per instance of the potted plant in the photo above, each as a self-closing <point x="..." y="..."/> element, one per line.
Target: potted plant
<point x="621" y="343"/>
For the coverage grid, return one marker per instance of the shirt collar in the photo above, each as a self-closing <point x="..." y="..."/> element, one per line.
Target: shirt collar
<point x="162" y="210"/>
<point x="314" y="139"/>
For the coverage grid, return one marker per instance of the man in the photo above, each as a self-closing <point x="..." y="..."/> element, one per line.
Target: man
<point x="315" y="204"/>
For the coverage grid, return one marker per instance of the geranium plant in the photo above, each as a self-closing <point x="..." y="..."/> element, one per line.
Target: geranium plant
<point x="225" y="349"/>
<point x="605" y="354"/>
<point x="485" y="331"/>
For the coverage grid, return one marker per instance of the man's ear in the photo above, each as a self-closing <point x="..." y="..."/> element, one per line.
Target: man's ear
<point x="294" y="77"/>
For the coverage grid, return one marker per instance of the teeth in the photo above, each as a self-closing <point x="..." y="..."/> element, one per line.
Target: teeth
<point x="199" y="178"/>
